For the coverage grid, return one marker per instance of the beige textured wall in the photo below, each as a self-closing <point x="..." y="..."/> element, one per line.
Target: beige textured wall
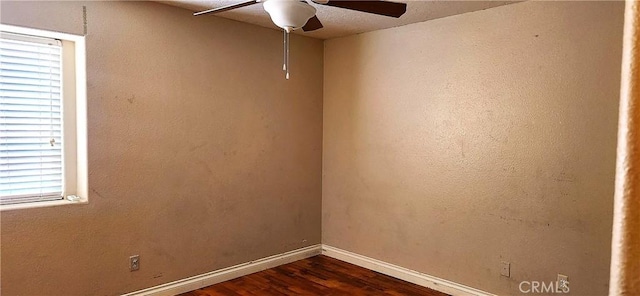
<point x="625" y="263"/>
<point x="455" y="144"/>
<point x="201" y="154"/>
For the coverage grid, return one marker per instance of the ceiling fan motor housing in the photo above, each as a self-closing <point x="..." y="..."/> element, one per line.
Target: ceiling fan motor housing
<point x="289" y="14"/>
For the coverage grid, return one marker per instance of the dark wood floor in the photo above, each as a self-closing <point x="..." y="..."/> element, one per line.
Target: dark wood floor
<point x="319" y="275"/>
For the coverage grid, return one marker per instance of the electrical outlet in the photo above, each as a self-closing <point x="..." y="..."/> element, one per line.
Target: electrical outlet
<point x="134" y="262"/>
<point x="506" y="269"/>
<point x="563" y="282"/>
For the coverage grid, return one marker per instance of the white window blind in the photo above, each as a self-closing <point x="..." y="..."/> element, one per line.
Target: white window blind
<point x="31" y="164"/>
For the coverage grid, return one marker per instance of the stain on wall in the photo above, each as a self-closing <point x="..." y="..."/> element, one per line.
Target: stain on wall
<point x="458" y="143"/>
<point x="201" y="154"/>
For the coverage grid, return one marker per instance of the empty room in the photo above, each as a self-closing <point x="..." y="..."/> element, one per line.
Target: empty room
<point x="314" y="147"/>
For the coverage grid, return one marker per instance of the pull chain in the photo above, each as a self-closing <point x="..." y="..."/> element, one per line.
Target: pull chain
<point x="288" y="44"/>
<point x="285" y="66"/>
<point x="284" y="54"/>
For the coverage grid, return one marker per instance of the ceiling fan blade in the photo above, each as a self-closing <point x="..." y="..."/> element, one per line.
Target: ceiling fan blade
<point x="388" y="8"/>
<point x="228" y="7"/>
<point x="312" y="24"/>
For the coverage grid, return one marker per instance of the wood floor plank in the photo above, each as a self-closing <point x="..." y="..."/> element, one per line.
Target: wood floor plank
<point x="319" y="275"/>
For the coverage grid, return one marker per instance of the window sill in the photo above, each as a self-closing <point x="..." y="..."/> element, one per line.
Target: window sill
<point x="43" y="204"/>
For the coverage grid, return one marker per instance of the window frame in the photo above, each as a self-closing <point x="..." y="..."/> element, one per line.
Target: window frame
<point x="74" y="121"/>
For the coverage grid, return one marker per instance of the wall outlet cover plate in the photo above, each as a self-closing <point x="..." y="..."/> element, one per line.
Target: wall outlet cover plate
<point x="506" y="269"/>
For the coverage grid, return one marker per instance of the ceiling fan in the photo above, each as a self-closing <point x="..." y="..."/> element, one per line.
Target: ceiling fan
<point x="295" y="14"/>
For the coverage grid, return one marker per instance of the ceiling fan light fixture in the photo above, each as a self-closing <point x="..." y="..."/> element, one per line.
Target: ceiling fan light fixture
<point x="289" y="14"/>
<point x="295" y="14"/>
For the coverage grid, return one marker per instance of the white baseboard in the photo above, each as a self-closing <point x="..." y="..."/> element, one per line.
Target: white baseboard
<point x="402" y="273"/>
<point x="225" y="274"/>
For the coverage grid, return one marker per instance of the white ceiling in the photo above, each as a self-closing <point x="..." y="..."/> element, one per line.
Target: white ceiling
<point x="340" y="22"/>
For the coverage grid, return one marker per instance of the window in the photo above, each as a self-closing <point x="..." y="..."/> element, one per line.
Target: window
<point x="42" y="118"/>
